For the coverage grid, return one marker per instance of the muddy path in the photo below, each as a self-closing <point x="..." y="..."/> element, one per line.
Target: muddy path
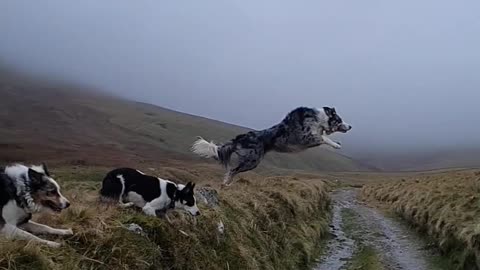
<point x="363" y="238"/>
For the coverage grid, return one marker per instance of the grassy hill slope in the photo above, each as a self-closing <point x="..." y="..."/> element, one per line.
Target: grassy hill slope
<point x="269" y="223"/>
<point x="45" y="122"/>
<point x="450" y="157"/>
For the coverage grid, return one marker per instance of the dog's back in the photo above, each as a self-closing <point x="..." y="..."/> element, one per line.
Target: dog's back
<point x="120" y="182"/>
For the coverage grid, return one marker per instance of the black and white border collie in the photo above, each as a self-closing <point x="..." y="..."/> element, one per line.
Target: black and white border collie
<point x="23" y="192"/>
<point x="301" y="129"/>
<point x="131" y="187"/>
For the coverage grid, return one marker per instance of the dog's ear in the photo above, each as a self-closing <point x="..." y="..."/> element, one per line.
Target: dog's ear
<point x="34" y="176"/>
<point x="333" y="111"/>
<point x="188" y="188"/>
<point x="329" y="111"/>
<point x="45" y="169"/>
<point x="193" y="186"/>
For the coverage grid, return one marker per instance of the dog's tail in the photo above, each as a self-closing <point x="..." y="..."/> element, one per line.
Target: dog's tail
<point x="207" y="149"/>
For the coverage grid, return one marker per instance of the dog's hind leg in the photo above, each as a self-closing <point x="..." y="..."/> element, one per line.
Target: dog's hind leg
<point x="122" y="193"/>
<point x="125" y="205"/>
<point x="11" y="231"/>
<point x="228" y="178"/>
<point x="243" y="166"/>
<point x="36" y="228"/>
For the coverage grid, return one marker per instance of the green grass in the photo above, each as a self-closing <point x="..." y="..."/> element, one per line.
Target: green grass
<point x="365" y="257"/>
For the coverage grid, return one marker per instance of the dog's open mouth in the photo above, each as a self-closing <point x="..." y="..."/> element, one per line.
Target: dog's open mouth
<point x="52" y="206"/>
<point x="343" y="129"/>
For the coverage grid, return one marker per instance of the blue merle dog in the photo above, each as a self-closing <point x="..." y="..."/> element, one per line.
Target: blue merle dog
<point x="301" y="129"/>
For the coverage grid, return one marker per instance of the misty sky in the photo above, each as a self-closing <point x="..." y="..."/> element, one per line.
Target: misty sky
<point x="403" y="73"/>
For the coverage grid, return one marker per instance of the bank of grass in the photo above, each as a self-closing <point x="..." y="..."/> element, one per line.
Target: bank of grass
<point x="446" y="206"/>
<point x="270" y="223"/>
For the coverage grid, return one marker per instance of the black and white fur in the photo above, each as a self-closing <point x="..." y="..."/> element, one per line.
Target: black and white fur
<point x="301" y="129"/>
<point x="25" y="191"/>
<point x="131" y="187"/>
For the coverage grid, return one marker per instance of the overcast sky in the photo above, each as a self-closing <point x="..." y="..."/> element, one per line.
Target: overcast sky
<point x="403" y="73"/>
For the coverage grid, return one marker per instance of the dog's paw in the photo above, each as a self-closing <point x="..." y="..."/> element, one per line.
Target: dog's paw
<point x="66" y="232"/>
<point x="53" y="244"/>
<point x="337" y="146"/>
<point x="126" y="205"/>
<point x="149" y="211"/>
<point x="226" y="184"/>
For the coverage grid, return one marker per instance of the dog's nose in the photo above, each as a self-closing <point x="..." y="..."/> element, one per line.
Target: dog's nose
<point x="349" y="127"/>
<point x="67" y="204"/>
<point x="198" y="213"/>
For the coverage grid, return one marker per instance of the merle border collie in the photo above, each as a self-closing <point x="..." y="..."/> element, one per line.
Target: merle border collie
<point x="23" y="192"/>
<point x="131" y="187"/>
<point x="301" y="129"/>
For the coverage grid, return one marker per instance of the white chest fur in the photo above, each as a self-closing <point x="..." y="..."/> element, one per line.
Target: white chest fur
<point x="12" y="214"/>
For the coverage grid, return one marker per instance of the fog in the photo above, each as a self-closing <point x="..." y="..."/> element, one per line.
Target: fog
<point x="405" y="74"/>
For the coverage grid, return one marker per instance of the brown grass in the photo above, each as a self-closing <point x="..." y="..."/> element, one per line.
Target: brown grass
<point x="446" y="206"/>
<point x="270" y="223"/>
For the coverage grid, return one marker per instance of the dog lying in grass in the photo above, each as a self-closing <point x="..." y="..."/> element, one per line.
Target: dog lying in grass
<point x="25" y="191"/>
<point x="131" y="187"/>
<point x="301" y="129"/>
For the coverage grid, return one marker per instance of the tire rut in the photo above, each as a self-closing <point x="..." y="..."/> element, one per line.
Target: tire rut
<point x="397" y="247"/>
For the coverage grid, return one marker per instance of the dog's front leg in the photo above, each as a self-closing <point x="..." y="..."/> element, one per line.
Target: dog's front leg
<point x="163" y="214"/>
<point x="328" y="141"/>
<point x="36" y="228"/>
<point x="149" y="210"/>
<point x="11" y="231"/>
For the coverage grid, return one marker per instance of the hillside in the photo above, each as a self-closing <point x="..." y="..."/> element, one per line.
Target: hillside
<point x="58" y="123"/>
<point x="259" y="232"/>
<point x="447" y="158"/>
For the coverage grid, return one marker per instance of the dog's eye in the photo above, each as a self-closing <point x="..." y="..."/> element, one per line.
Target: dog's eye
<point x="51" y="193"/>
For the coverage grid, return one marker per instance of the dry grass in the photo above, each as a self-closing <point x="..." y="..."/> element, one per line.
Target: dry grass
<point x="444" y="205"/>
<point x="272" y="223"/>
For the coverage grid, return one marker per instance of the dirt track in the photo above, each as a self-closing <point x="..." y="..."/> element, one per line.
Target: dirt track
<point x="356" y="227"/>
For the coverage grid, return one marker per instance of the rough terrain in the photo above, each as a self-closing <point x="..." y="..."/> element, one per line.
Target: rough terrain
<point x="364" y="238"/>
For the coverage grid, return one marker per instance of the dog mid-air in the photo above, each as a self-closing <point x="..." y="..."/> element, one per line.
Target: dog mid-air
<point x="301" y="129"/>
<point x="25" y="191"/>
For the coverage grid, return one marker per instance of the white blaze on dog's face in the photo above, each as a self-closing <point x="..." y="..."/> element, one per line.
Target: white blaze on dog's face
<point x="187" y="201"/>
<point x="332" y="121"/>
<point x="45" y="191"/>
